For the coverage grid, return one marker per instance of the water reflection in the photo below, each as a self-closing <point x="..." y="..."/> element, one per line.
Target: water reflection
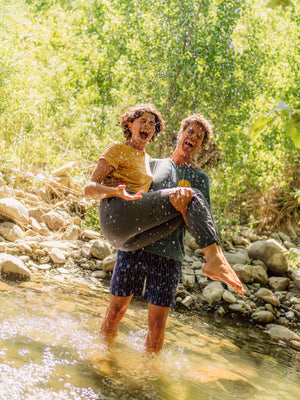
<point x="50" y="349"/>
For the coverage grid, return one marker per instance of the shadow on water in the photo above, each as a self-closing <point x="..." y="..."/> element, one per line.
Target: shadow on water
<point x="50" y="349"/>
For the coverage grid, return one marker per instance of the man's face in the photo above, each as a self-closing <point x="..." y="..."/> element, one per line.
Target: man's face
<point x="191" y="139"/>
<point x="142" y="130"/>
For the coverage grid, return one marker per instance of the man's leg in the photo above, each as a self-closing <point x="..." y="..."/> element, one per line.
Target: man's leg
<point x="157" y="318"/>
<point x="114" y="313"/>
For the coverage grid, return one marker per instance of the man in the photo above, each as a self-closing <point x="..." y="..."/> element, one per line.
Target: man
<point x="155" y="269"/>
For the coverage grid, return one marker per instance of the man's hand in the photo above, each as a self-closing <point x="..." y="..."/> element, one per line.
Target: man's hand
<point x="180" y="198"/>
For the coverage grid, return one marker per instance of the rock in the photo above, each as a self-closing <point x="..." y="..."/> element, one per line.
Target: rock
<point x="100" y="249"/>
<point x="53" y="220"/>
<point x="228" y="297"/>
<point x="271" y="254"/>
<point x="251" y="273"/>
<point x="262" y="317"/>
<point x="99" y="274"/>
<point x="72" y="233"/>
<point x="237" y="239"/>
<point x="188" y="278"/>
<point x="187" y="301"/>
<point x="55" y="244"/>
<point x="13" y="268"/>
<point x="267" y="296"/>
<point x="249" y="234"/>
<point x="11" y="231"/>
<point x="213" y="292"/>
<point x="89" y="234"/>
<point x="237" y="257"/>
<point x="296" y="277"/>
<point x="282" y="333"/>
<point x="289" y="315"/>
<point x="109" y="262"/>
<point x="238" y="308"/>
<point x="284" y="237"/>
<point x="57" y="256"/>
<point x="89" y="265"/>
<point x="13" y="210"/>
<point x="278" y="283"/>
<point x="36" y="213"/>
<point x="295" y="344"/>
<point x="64" y="170"/>
<point x="277" y="264"/>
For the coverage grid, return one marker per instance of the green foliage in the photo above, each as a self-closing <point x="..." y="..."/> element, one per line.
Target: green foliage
<point x="92" y="217"/>
<point x="69" y="68"/>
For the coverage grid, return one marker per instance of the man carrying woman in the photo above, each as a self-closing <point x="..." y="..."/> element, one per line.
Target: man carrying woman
<point x="148" y="228"/>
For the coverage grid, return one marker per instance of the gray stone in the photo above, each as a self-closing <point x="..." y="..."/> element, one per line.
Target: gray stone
<point x="295" y="344"/>
<point x="188" y="280"/>
<point x="278" y="283"/>
<point x="109" y="262"/>
<point x="187" y="301"/>
<point x="53" y="220"/>
<point x="282" y="333"/>
<point x="72" y="233"/>
<point x="296" y="277"/>
<point x="267" y="296"/>
<point x="237" y="257"/>
<point x="13" y="268"/>
<point x="99" y="274"/>
<point x="229" y="297"/>
<point x="262" y="317"/>
<point x="271" y="254"/>
<point x="13" y="210"/>
<point x="11" y="231"/>
<point x="239" y="308"/>
<point x="57" y="256"/>
<point x="251" y="273"/>
<point x="100" y="249"/>
<point x="213" y="292"/>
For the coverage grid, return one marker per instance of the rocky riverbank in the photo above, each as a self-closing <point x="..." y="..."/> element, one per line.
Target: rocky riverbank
<point x="41" y="231"/>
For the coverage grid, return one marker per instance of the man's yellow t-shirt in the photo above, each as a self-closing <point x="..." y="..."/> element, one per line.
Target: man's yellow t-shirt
<point x="131" y="165"/>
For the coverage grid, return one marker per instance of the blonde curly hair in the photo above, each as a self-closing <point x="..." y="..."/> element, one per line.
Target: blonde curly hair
<point x="135" y="112"/>
<point x="200" y="120"/>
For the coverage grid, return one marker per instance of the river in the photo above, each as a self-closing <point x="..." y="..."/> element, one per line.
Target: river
<point x="50" y="349"/>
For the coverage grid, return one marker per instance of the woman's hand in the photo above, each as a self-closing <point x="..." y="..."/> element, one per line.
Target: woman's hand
<point x="123" y="194"/>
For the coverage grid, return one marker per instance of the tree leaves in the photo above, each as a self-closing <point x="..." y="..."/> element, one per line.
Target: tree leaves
<point x="292" y="127"/>
<point x="276" y="3"/>
<point x="261" y="123"/>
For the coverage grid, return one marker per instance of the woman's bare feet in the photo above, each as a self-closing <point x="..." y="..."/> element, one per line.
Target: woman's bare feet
<point x="218" y="269"/>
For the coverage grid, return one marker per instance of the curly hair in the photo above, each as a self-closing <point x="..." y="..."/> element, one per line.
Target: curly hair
<point x="200" y="120"/>
<point x="135" y="112"/>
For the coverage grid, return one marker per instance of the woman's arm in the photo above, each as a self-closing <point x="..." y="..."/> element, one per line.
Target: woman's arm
<point x="95" y="188"/>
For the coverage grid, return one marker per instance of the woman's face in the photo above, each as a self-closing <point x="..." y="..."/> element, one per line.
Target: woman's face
<point x="142" y="130"/>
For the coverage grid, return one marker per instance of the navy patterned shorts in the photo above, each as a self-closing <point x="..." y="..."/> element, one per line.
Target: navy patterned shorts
<point x="148" y="275"/>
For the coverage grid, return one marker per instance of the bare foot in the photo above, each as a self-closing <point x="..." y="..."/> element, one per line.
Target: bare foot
<point x="218" y="269"/>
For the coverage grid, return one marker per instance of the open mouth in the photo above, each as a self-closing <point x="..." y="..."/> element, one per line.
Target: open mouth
<point x="188" y="143"/>
<point x="144" y="135"/>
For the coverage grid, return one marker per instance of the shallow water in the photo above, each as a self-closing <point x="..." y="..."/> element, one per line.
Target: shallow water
<point x="50" y="349"/>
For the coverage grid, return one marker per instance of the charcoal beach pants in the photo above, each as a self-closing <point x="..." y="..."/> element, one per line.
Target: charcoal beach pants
<point x="131" y="225"/>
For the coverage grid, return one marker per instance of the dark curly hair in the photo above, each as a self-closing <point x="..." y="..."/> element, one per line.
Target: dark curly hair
<point x="200" y="120"/>
<point x="133" y="113"/>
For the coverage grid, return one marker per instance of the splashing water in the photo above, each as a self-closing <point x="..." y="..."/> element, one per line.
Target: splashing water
<point x="51" y="349"/>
